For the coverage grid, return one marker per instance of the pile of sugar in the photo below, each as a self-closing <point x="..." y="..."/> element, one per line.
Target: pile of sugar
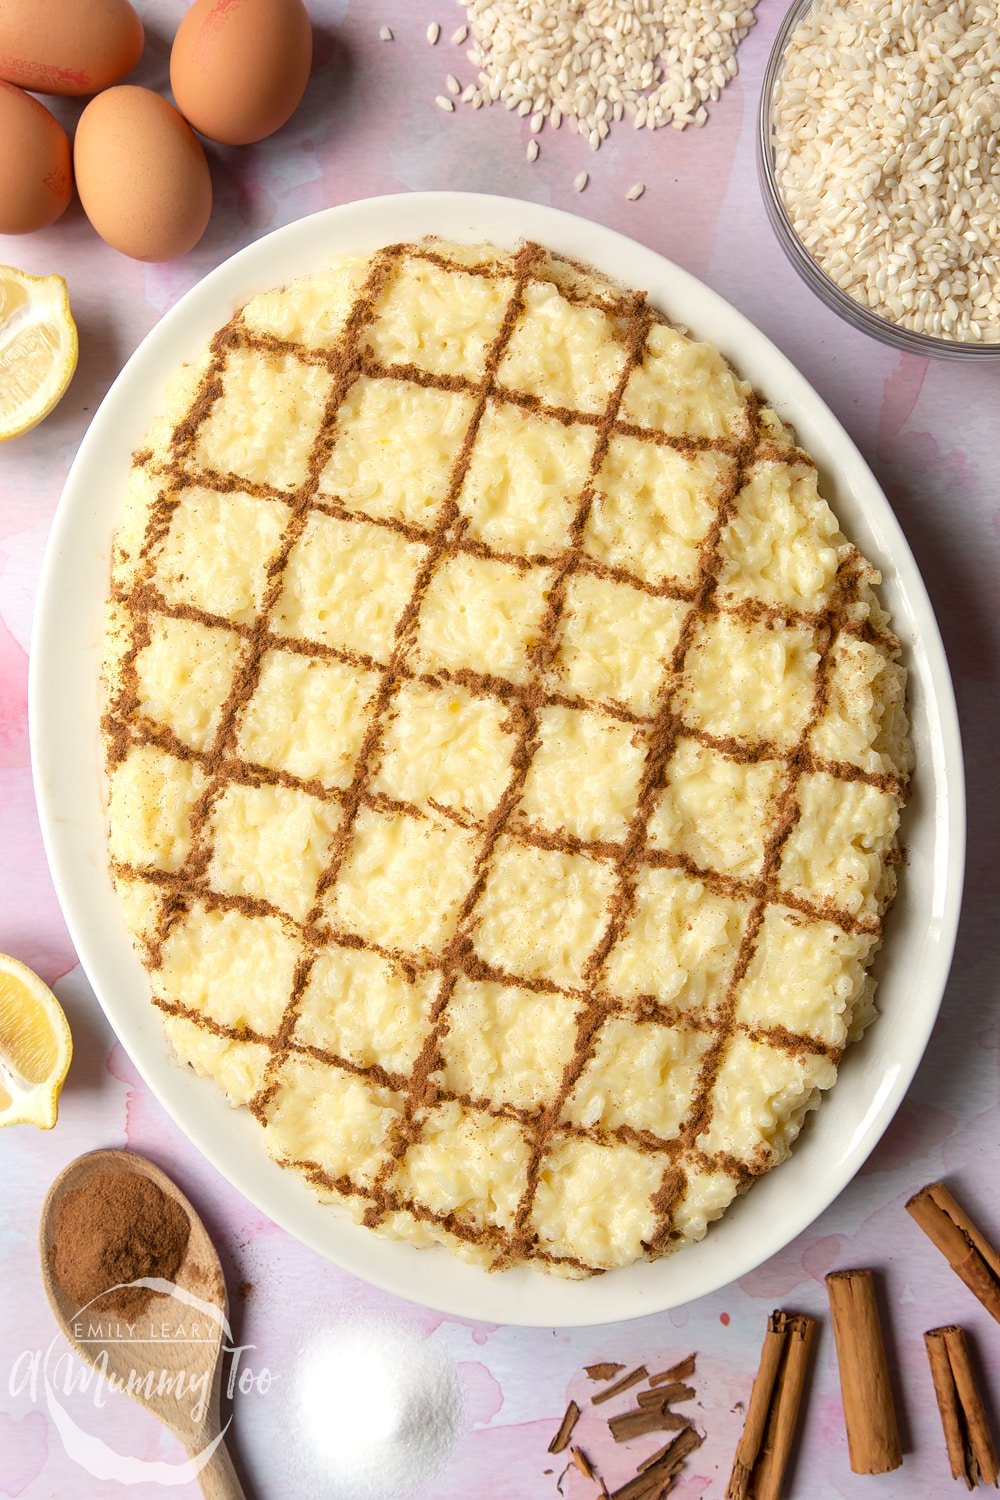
<point x="886" y="125"/>
<point x="380" y="1411"/>
<point x="593" y="62"/>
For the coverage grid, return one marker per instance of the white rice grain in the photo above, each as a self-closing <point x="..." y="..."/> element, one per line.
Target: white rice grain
<point x="433" y="32"/>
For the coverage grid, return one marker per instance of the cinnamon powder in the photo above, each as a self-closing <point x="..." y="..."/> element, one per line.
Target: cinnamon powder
<point x="118" y="1227"/>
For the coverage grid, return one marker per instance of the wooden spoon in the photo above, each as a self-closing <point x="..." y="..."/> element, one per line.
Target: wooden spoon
<point x="199" y="1274"/>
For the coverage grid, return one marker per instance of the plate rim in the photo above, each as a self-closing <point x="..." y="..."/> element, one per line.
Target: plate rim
<point x="548" y="1302"/>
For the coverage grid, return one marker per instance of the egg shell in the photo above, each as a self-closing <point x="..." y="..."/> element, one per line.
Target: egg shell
<point x="238" y="68"/>
<point x="141" y="174"/>
<point x="36" y="168"/>
<point x="68" y="46"/>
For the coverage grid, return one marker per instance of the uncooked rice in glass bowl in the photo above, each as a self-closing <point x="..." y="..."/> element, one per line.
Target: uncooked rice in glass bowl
<point x="879" y="164"/>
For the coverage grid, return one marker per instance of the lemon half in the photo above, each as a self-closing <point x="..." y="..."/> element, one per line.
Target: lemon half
<point x="38" y="348"/>
<point x="35" y="1047"/>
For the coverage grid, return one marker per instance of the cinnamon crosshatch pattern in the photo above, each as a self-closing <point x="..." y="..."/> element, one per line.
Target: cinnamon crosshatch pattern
<point x="375" y="1021"/>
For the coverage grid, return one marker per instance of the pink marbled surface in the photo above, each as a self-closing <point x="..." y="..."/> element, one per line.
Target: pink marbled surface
<point x="368" y="126"/>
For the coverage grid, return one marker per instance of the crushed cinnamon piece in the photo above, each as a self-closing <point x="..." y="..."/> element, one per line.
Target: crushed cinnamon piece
<point x="680" y="1371"/>
<point x="664" y="1395"/>
<point x="643" y="1419"/>
<point x="656" y="1478"/>
<point x="627" y="1381"/>
<point x="570" y="1418"/>
<point x="582" y="1462"/>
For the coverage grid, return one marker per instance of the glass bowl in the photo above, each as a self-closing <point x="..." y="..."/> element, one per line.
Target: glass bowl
<point x="855" y="313"/>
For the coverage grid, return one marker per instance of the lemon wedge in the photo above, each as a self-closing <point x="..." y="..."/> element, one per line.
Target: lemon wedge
<point x="38" y="348"/>
<point x="35" y="1047"/>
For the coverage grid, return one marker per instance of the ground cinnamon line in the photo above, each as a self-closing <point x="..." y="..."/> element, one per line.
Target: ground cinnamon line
<point x="182" y="440"/>
<point x="785" y="814"/>
<point x="750" y="608"/>
<point x="407" y="1128"/>
<point x="367" y="756"/>
<point x="645" y="1141"/>
<point x="344" y="1186"/>
<point x="594" y="1013"/>
<point x="643" y="1008"/>
<point x="698" y="1113"/>
<point x="521" y="758"/>
<point x="345" y="362"/>
<point x="147" y="599"/>
<point x="519" y="831"/>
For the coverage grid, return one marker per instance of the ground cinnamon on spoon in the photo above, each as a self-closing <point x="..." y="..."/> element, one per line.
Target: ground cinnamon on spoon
<point x="116" y="1228"/>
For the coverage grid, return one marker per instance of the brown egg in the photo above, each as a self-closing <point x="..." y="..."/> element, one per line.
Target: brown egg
<point x="141" y="174"/>
<point x="36" y="172"/>
<point x="239" y="70"/>
<point x="68" y="46"/>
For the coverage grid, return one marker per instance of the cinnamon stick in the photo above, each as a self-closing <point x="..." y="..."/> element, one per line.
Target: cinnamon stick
<point x="961" y="1242"/>
<point x="971" y="1451"/>
<point x="869" y="1413"/>
<point x="769" y="1429"/>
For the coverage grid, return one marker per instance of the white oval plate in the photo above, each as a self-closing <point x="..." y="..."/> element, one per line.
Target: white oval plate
<point x="66" y="754"/>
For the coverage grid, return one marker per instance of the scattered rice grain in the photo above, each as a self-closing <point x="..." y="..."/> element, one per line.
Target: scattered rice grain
<point x="600" y="62"/>
<point x="433" y="32"/>
<point x="452" y="84"/>
<point x="580" y="181"/>
<point x="385" y="33"/>
<point x="635" y="191"/>
<point x="532" y="151"/>
<point x="459" y="36"/>
<point x="443" y="102"/>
